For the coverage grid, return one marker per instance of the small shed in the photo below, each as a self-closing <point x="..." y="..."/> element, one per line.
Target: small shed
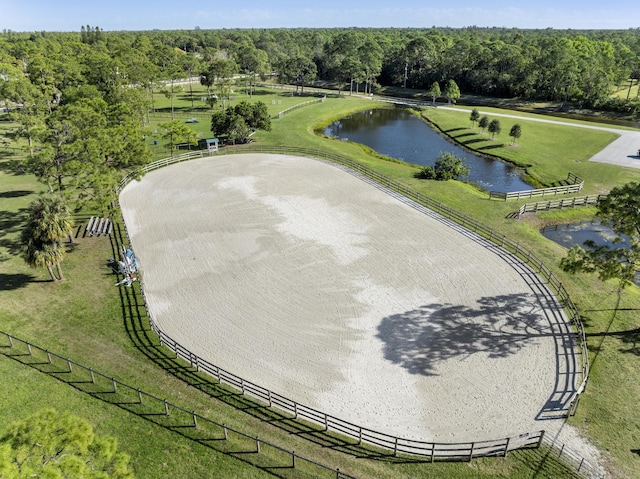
<point x="212" y="144"/>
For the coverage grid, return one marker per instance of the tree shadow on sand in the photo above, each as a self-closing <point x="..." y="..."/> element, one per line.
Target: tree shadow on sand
<point x="500" y="326"/>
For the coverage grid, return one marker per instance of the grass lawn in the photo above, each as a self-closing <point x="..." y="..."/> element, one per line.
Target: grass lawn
<point x="88" y="320"/>
<point x="625" y="92"/>
<point x="277" y="100"/>
<point x="547" y="151"/>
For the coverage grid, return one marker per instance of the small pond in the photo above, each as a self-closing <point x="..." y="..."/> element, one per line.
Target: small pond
<point x="569" y="235"/>
<point x="400" y="134"/>
<point x="573" y="234"/>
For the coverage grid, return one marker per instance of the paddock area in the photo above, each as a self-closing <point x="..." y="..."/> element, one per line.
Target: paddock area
<point x="300" y="277"/>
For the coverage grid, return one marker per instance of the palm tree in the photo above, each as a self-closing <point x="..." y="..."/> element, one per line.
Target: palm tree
<point x="49" y="222"/>
<point x="44" y="255"/>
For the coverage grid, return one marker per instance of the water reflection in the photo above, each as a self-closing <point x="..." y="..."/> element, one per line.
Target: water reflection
<point x="400" y="134"/>
<point x="573" y="234"/>
<point x="569" y="235"/>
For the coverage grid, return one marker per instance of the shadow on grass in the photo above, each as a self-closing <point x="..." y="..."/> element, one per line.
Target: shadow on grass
<point x="630" y="338"/>
<point x="596" y="349"/>
<point x="11" y="223"/>
<point x="474" y="140"/>
<point x="491" y="147"/>
<point x="463" y="135"/>
<point x="544" y="464"/>
<point x="15" y="193"/>
<point x="10" y="282"/>
<point x="12" y="166"/>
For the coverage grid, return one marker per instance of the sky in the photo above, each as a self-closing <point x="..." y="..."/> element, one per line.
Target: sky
<point x="109" y="15"/>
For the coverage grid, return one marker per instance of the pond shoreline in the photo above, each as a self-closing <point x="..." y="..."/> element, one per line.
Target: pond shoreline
<point x="522" y="170"/>
<point x="404" y="135"/>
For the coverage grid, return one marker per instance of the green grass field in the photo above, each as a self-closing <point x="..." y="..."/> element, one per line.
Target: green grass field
<point x="624" y="92"/>
<point x="90" y="321"/>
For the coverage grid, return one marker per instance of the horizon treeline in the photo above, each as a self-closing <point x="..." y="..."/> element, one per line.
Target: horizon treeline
<point x="581" y="66"/>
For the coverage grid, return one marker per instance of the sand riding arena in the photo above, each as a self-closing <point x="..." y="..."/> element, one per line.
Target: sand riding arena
<point x="301" y="277"/>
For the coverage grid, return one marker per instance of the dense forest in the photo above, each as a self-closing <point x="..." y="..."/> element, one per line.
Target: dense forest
<point x="555" y="65"/>
<point x="82" y="98"/>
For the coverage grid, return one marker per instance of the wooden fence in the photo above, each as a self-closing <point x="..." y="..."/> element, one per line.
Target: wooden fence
<point x="431" y="450"/>
<point x="573" y="459"/>
<point x="300" y="105"/>
<point x="443" y="451"/>
<point x="590" y="200"/>
<point x="179" y="115"/>
<point x="147" y="405"/>
<point x="575" y="186"/>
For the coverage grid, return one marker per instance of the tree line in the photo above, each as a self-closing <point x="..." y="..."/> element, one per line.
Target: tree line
<point x="556" y="65"/>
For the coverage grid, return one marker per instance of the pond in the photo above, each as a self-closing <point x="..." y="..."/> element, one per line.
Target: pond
<point x="400" y="134"/>
<point x="573" y="234"/>
<point x="569" y="235"/>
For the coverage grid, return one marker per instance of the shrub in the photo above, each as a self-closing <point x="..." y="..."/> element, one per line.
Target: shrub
<point x="447" y="167"/>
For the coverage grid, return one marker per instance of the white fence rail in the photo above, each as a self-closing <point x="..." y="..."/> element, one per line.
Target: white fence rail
<point x="589" y="200"/>
<point x="575" y="186"/>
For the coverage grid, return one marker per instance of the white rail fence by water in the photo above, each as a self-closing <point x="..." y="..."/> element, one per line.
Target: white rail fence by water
<point x="576" y="184"/>
<point x="589" y="200"/>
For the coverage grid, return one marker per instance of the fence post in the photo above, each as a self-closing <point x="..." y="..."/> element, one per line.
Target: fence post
<point x="139" y="396"/>
<point x="540" y="440"/>
<point x="195" y="421"/>
<point x="395" y="447"/>
<point x="93" y="379"/>
<point x="471" y="451"/>
<point x="29" y="348"/>
<point x="115" y="386"/>
<point x="166" y="408"/>
<point x="69" y="364"/>
<point x="49" y="357"/>
<point x="506" y="447"/>
<point x="257" y="445"/>
<point x="293" y="459"/>
<point x="224" y="429"/>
